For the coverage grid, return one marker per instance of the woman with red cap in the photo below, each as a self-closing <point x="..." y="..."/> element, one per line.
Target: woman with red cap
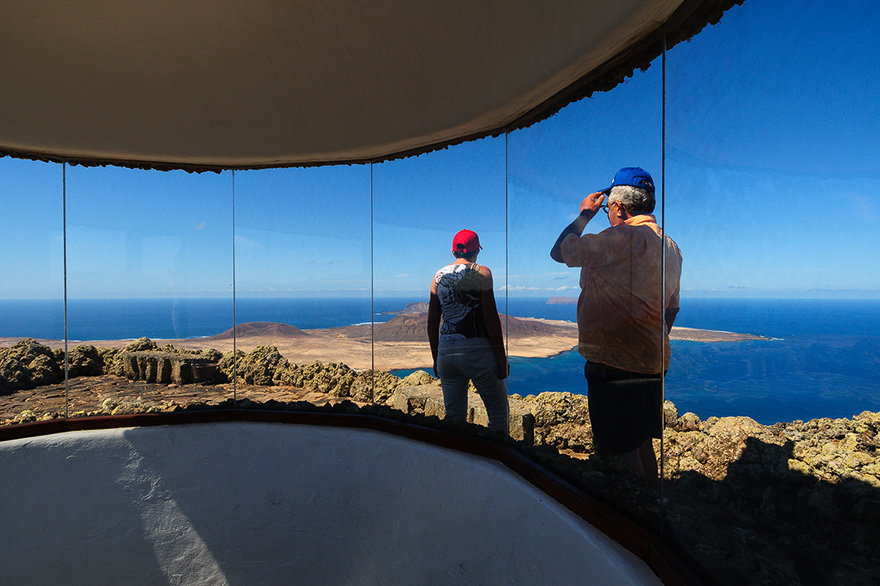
<point x="468" y="346"/>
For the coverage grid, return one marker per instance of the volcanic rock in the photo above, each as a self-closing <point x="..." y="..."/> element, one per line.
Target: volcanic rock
<point x="26" y="365"/>
<point x="85" y="360"/>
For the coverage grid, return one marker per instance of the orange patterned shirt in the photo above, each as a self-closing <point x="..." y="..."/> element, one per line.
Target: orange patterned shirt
<point x="621" y="302"/>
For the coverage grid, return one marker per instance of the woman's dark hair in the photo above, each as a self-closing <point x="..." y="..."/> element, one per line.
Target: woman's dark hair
<point x="465" y="255"/>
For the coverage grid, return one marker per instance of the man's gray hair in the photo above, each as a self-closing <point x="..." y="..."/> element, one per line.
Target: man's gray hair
<point x="635" y="199"/>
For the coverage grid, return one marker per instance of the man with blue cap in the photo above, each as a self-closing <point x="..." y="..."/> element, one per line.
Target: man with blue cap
<point x="625" y="312"/>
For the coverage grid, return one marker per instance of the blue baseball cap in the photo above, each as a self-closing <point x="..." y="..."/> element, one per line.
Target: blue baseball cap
<point x="635" y="176"/>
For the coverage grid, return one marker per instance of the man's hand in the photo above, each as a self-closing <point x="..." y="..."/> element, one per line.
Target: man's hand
<point x="589" y="207"/>
<point x="592" y="203"/>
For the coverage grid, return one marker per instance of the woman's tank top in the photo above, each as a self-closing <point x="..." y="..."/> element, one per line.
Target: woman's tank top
<point x="458" y="288"/>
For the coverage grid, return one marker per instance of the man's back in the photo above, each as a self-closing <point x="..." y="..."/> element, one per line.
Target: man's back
<point x="622" y="297"/>
<point x="624" y="301"/>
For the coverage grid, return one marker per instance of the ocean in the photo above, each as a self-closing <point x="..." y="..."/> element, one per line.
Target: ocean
<point x="822" y="360"/>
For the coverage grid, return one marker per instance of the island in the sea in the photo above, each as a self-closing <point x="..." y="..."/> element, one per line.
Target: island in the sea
<point x="562" y="301"/>
<point x="400" y="343"/>
<point x="397" y="344"/>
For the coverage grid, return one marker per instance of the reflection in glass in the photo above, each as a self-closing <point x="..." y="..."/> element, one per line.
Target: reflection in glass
<point x="553" y="166"/>
<point x="419" y="205"/>
<point x="31" y="288"/>
<point x="148" y="256"/>
<point x="770" y="161"/>
<point x="769" y="189"/>
<point x="615" y="268"/>
<point x="302" y="247"/>
<point x="32" y="262"/>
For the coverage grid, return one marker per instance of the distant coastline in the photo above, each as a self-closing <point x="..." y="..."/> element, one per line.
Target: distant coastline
<point x="562" y="301"/>
<point x="708" y="336"/>
<point x="783" y="375"/>
<point x="399" y="343"/>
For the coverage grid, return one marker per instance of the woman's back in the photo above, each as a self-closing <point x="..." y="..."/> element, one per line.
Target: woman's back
<point x="459" y="288"/>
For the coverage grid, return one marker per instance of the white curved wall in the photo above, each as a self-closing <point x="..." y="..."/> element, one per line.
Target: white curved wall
<point x="262" y="503"/>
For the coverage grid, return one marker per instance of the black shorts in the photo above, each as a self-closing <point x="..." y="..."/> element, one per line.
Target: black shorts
<point x="626" y="408"/>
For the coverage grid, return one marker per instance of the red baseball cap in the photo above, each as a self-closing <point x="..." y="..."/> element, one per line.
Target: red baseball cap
<point x="466" y="241"/>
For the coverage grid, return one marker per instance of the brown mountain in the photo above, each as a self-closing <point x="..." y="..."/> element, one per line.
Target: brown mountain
<point x="412" y="328"/>
<point x="416" y="307"/>
<point x="406" y="327"/>
<point x="262" y="329"/>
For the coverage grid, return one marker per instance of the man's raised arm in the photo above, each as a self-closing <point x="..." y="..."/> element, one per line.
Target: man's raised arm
<point x="589" y="207"/>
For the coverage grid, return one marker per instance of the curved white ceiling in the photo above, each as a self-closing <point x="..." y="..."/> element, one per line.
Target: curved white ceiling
<point x="231" y="84"/>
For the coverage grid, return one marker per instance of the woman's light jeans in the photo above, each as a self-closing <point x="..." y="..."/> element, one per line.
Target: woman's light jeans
<point x="459" y="361"/>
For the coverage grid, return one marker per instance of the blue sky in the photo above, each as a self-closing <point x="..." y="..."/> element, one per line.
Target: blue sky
<point x="771" y="190"/>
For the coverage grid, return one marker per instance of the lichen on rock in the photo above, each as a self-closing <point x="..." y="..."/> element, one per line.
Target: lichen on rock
<point x="26" y="365"/>
<point x="419" y="377"/>
<point x="562" y="420"/>
<point x="259" y="366"/>
<point x="140" y="345"/>
<point x="85" y="360"/>
<point x="374" y="386"/>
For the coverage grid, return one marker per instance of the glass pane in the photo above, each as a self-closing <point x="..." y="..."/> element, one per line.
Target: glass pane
<point x="776" y="142"/>
<point x="31" y="290"/>
<point x="553" y="166"/>
<point x="149" y="256"/>
<point x="302" y="247"/>
<point x="617" y="265"/>
<point x="420" y="204"/>
<point x="771" y="158"/>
